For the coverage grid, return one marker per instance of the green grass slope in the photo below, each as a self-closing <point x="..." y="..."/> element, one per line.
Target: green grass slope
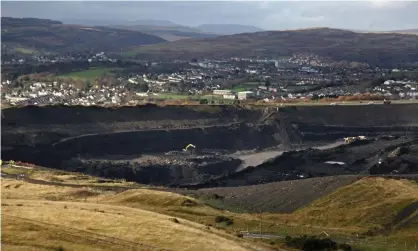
<point x="90" y="74"/>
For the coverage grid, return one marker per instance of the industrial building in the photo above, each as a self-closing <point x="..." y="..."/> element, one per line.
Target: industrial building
<point x="245" y="95"/>
<point x="222" y="92"/>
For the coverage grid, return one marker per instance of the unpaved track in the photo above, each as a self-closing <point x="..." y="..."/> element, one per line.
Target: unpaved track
<point x="255" y="159"/>
<point x="142" y="130"/>
<point x="52" y="183"/>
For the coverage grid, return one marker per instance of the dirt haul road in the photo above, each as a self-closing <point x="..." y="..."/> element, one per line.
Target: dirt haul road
<point x="255" y="159"/>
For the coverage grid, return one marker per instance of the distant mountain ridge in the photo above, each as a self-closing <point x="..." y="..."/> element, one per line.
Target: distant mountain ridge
<point x="110" y="22"/>
<point x="406" y="31"/>
<point x="155" y="23"/>
<point x="228" y="29"/>
<point x="54" y="36"/>
<point x="172" y="32"/>
<point x="169" y="30"/>
<point x="379" y="49"/>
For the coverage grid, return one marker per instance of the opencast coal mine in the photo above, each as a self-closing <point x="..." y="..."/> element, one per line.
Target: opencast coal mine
<point x="209" y="146"/>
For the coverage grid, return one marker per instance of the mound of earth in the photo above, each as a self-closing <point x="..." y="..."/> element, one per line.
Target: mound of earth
<point x="173" y="169"/>
<point x="278" y="197"/>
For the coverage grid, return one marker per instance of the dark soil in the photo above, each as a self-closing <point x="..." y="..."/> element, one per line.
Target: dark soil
<point x="361" y="157"/>
<point x="59" y="136"/>
<point x="278" y="197"/>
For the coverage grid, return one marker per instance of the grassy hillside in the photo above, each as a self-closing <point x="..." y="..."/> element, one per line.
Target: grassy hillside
<point x="102" y="227"/>
<point x="334" y="44"/>
<point x="30" y="34"/>
<point x="376" y="205"/>
<point x="278" y="197"/>
<point x="56" y="210"/>
<point x="77" y="218"/>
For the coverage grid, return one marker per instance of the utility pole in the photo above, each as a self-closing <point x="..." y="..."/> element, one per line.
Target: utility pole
<point x="261" y="221"/>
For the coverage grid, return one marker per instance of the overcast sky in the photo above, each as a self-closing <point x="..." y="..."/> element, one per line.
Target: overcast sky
<point x="271" y="15"/>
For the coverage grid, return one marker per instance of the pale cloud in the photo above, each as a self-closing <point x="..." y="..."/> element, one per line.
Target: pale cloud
<point x="273" y="15"/>
<point x="388" y="4"/>
<point x="263" y="5"/>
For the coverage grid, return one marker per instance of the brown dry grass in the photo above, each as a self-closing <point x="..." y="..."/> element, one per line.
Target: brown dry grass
<point x="88" y="219"/>
<point x="127" y="224"/>
<point x="78" y="179"/>
<point x="365" y="204"/>
<point x="18" y="189"/>
<point x="47" y="216"/>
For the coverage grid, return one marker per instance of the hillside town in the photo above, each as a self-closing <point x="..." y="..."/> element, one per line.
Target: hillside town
<point x="297" y="78"/>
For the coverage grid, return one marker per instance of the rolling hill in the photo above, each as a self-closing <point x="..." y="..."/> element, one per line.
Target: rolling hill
<point x="168" y="32"/>
<point x="374" y="204"/>
<point x="408" y="31"/>
<point x="164" y="29"/>
<point x="54" y="36"/>
<point x="336" y="45"/>
<point x="68" y="211"/>
<point x="57" y="210"/>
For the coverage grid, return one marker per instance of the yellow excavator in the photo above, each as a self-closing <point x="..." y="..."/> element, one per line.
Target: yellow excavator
<point x="189" y="146"/>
